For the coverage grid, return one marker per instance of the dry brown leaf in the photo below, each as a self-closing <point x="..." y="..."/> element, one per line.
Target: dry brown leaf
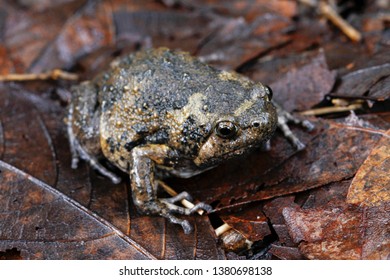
<point x="371" y="185"/>
<point x="371" y="82"/>
<point x="273" y="41"/>
<point x="345" y="232"/>
<point x="310" y="82"/>
<point x="42" y="223"/>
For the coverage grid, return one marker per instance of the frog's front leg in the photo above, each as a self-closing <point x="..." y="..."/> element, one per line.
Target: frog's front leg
<point x="144" y="185"/>
<point x="285" y="117"/>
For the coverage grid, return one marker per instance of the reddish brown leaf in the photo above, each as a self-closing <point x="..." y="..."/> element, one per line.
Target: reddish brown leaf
<point x="26" y="141"/>
<point x="273" y="41"/>
<point x="251" y="223"/>
<point x="341" y="233"/>
<point x="273" y="210"/>
<point x="169" y="242"/>
<point x="268" y="71"/>
<point x="286" y="253"/>
<point x="158" y="27"/>
<point x="83" y="32"/>
<point x="249" y="9"/>
<point x="7" y="65"/>
<point x="371" y="185"/>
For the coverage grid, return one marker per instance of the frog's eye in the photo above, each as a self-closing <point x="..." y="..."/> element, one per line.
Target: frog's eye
<point x="268" y="92"/>
<point x="226" y="129"/>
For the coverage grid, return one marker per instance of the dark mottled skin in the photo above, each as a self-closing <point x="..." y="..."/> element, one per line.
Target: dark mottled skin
<point x="161" y="109"/>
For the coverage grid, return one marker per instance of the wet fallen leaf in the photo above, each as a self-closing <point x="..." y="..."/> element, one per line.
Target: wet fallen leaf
<point x="273" y="209"/>
<point x="248" y="9"/>
<point x="279" y="43"/>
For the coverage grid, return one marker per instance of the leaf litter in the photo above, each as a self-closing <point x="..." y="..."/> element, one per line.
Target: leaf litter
<point x="333" y="195"/>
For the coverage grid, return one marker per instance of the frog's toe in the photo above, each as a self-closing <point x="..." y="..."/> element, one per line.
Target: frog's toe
<point x="291" y="137"/>
<point x="308" y="125"/>
<point x="201" y="206"/>
<point x="173" y="208"/>
<point x="179" y="197"/>
<point x="284" y="118"/>
<point x="75" y="162"/>
<point x="187" y="227"/>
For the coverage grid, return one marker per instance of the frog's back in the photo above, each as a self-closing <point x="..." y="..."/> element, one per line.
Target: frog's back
<point x="157" y="79"/>
<point x="160" y="96"/>
<point x="162" y="80"/>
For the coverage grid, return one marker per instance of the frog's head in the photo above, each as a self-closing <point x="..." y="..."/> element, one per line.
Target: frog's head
<point x="248" y="121"/>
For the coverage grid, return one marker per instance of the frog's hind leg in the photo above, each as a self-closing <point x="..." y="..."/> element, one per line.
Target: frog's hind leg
<point x="94" y="163"/>
<point x="77" y="152"/>
<point x="72" y="138"/>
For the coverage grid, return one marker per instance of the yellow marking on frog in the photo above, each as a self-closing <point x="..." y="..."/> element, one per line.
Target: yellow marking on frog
<point x="243" y="107"/>
<point x="193" y="108"/>
<point x="233" y="76"/>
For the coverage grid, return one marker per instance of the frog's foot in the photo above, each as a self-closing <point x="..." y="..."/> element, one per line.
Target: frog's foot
<point x="187" y="227"/>
<point x="173" y="208"/>
<point x="178" y="197"/>
<point x="284" y="118"/>
<point x="170" y="209"/>
<point x="80" y="152"/>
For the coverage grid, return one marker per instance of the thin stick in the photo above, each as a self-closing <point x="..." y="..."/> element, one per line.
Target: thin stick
<point x="222" y="229"/>
<point x="327" y="10"/>
<point x="328" y="110"/>
<point x="337" y="20"/>
<point x="55" y="74"/>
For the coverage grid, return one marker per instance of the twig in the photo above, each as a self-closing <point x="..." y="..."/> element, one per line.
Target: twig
<point x="331" y="14"/>
<point x="337" y="20"/>
<point x="332" y="109"/>
<point x="55" y="74"/>
<point x="222" y="229"/>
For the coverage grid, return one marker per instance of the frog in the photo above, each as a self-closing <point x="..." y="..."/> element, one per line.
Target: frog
<point x="160" y="111"/>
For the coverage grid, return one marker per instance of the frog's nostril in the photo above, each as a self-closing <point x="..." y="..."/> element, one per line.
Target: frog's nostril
<point x="256" y="124"/>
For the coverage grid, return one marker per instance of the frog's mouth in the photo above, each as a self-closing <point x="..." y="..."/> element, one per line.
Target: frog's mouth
<point x="239" y="152"/>
<point x="213" y="160"/>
